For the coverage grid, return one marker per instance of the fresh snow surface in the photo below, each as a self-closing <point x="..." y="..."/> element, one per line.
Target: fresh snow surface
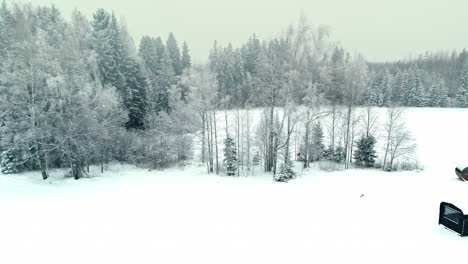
<point x="183" y="215"/>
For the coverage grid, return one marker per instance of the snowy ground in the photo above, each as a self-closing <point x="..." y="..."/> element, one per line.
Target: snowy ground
<point x="132" y="215"/>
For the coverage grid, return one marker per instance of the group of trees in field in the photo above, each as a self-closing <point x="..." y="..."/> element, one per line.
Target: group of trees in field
<point x="432" y="80"/>
<point x="78" y="92"/>
<point x="295" y="81"/>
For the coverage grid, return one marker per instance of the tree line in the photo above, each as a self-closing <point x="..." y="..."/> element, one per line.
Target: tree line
<point x="79" y="92"/>
<point x="430" y="80"/>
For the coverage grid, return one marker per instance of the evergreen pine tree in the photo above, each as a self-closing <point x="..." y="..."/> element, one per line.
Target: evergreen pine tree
<point x="136" y="83"/>
<point x="317" y="146"/>
<point x="230" y="156"/>
<point x="148" y="54"/>
<point x="438" y="94"/>
<point x="415" y="94"/>
<point x="165" y="81"/>
<point x="462" y="91"/>
<point x="387" y="92"/>
<point x="186" y="61"/>
<point x="102" y="45"/>
<point x="407" y="93"/>
<point x="442" y="94"/>
<point x="159" y="72"/>
<point x="174" y="54"/>
<point x="379" y="89"/>
<point x="365" y="154"/>
<point x="118" y="69"/>
<point x="398" y="87"/>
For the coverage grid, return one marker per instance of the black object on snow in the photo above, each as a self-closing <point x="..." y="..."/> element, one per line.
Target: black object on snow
<point x="453" y="218"/>
<point x="462" y="173"/>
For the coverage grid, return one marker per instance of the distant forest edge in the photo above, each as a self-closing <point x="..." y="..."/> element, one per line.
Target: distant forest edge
<point x="80" y="92"/>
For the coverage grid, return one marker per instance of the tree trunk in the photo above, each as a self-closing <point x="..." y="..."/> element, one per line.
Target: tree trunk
<point x="248" y="141"/>
<point x="216" y="143"/>
<point x="203" y="116"/>
<point x="42" y="164"/>
<point x="102" y="161"/>
<point x="271" y="146"/>
<point x="226" y="119"/>
<point x="238" y="143"/>
<point x="333" y="128"/>
<point x="286" y="153"/>
<point x="348" y="123"/>
<point x="389" y="136"/>
<point x="392" y="158"/>
<point x="210" y="150"/>
<point x="306" y="140"/>
<point x="352" y="144"/>
<point x="275" y="153"/>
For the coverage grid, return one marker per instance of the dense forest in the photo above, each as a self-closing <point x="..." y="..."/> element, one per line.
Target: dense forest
<point x="79" y="92"/>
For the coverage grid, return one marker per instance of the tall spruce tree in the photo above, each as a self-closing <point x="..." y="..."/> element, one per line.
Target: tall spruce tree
<point x="173" y="52"/>
<point x="117" y="67"/>
<point x="102" y="44"/>
<point x="186" y="60"/>
<point x="137" y="106"/>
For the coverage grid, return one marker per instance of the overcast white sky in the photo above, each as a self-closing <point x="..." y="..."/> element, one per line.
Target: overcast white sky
<point x="379" y="29"/>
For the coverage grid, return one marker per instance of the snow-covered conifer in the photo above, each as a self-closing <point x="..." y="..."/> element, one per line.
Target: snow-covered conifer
<point x="230" y="156"/>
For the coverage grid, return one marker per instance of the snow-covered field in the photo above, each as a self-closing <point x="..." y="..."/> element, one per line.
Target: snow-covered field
<point x="182" y="215"/>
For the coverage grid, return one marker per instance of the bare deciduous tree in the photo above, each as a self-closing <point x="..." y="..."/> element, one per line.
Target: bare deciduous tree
<point x="398" y="139"/>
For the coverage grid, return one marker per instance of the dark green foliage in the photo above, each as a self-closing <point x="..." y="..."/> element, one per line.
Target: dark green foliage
<point x="136" y="83"/>
<point x="339" y="154"/>
<point x="9" y="163"/>
<point x="365" y="154"/>
<point x="328" y="153"/>
<point x="230" y="156"/>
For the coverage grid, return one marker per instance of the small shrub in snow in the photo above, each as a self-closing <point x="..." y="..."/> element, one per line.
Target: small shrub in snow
<point x="407" y="165"/>
<point x="9" y="163"/>
<point x="339" y="154"/>
<point x="286" y="172"/>
<point x="329" y="165"/>
<point x="280" y="177"/>
<point x="328" y="153"/>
